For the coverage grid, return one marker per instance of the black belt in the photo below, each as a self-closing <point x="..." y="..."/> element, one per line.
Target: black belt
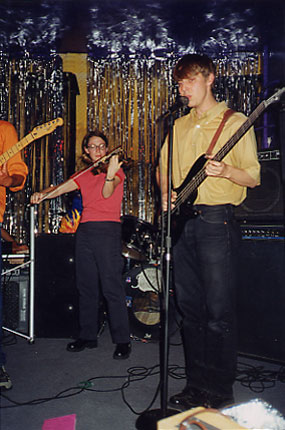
<point x="199" y="209"/>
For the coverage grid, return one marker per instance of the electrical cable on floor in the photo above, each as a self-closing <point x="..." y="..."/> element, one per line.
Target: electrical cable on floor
<point x="40" y="401"/>
<point x="176" y="372"/>
<point x="256" y="378"/>
<point x="134" y="374"/>
<point x="143" y="373"/>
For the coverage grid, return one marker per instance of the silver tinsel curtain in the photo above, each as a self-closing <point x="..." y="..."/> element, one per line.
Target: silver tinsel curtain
<point x="125" y="99"/>
<point x="31" y="93"/>
<point x="126" y="96"/>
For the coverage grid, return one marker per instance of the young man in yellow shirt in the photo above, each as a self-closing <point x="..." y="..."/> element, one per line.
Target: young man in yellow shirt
<point x="205" y="254"/>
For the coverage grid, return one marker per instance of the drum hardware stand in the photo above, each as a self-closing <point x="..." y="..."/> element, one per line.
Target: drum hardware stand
<point x="148" y="419"/>
<point x="31" y="264"/>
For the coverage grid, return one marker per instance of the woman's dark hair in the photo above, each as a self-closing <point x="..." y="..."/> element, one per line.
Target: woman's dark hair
<point x="96" y="133"/>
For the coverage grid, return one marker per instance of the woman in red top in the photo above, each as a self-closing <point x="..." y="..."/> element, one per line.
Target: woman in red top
<point x="98" y="247"/>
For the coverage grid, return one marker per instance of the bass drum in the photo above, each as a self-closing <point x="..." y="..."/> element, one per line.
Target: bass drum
<point x="143" y="285"/>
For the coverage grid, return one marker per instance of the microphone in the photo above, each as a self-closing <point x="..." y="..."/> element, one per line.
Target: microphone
<point x="181" y="101"/>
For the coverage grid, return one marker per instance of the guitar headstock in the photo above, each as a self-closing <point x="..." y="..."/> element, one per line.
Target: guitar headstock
<point x="275" y="98"/>
<point x="46" y="128"/>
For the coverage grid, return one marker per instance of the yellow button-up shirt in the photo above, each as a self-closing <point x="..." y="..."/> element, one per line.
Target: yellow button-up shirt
<point x="192" y="137"/>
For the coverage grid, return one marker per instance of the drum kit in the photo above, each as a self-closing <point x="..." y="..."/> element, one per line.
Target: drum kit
<point x="142" y="276"/>
<point x="140" y="239"/>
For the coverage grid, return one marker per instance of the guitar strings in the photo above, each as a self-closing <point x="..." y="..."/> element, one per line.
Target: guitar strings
<point x="201" y="175"/>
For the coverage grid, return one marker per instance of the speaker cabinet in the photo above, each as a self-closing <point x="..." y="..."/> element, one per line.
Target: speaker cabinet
<point x="56" y="297"/>
<point x="15" y="293"/>
<point x="261" y="297"/>
<point x="265" y="202"/>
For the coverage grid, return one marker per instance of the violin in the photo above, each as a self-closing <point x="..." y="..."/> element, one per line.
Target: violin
<point x="101" y="165"/>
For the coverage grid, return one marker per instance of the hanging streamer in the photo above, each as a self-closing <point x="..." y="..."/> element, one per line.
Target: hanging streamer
<point x="31" y="94"/>
<point x="126" y="96"/>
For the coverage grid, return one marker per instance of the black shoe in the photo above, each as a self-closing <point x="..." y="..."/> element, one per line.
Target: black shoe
<point x="122" y="351"/>
<point x="189" y="398"/>
<point x="81" y="344"/>
<point x="5" y="381"/>
<point x="216" y="401"/>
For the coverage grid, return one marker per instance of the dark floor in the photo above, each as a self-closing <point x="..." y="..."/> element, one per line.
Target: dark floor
<point x="48" y="382"/>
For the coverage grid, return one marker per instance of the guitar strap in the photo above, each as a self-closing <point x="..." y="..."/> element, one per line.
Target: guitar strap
<point x="226" y="116"/>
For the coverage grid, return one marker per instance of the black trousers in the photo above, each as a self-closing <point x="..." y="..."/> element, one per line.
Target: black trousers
<point x="205" y="263"/>
<point x="99" y="263"/>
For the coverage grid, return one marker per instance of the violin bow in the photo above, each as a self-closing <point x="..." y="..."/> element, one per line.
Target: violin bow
<point x="103" y="159"/>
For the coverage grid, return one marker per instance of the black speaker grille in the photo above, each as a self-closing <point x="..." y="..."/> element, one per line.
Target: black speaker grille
<point x="266" y="201"/>
<point x="261" y="298"/>
<point x="56" y="296"/>
<point x="15" y="292"/>
<point x="11" y="305"/>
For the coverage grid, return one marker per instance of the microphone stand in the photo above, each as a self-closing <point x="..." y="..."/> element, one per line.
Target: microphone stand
<point x="148" y="419"/>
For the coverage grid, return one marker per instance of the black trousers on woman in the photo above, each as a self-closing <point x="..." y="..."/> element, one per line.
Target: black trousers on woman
<point x="99" y="264"/>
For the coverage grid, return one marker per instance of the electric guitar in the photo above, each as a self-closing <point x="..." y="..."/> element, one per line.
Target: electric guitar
<point x="187" y="191"/>
<point x="36" y="133"/>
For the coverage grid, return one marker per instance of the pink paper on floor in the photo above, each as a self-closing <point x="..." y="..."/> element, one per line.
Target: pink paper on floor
<point x="66" y="422"/>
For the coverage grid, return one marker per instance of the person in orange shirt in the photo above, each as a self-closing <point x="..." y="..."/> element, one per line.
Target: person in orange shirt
<point x="13" y="173"/>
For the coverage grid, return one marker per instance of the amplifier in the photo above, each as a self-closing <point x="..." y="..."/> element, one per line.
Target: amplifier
<point x="268" y="155"/>
<point x="265" y="203"/>
<point x="56" y="296"/>
<point x="15" y="292"/>
<point x="261" y="293"/>
<point x="262" y="232"/>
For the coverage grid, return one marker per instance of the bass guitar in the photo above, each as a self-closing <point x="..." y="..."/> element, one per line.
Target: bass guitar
<point x="187" y="191"/>
<point x="36" y="133"/>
